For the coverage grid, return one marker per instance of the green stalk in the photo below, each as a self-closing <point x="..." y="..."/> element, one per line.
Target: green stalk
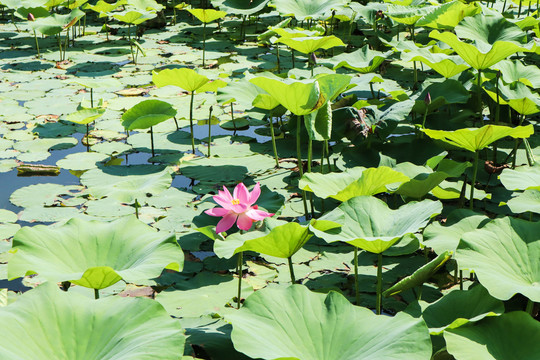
<point x="59" y="46"/>
<point x="191" y="122"/>
<point x="379" y="284"/>
<point x="424" y="123"/>
<point x="356" y="289"/>
<point x="174" y="12"/>
<point x="204" y="44"/>
<point x="131" y="44"/>
<point x="152" y="140"/>
<point x="37" y="44"/>
<point x="475" y="172"/>
<point x="300" y="163"/>
<point x="519" y="9"/>
<point x="274" y="148"/>
<point x="277" y="55"/>
<point x="479" y="93"/>
<point x="516" y="143"/>
<point x="232" y="118"/>
<point x="291" y="270"/>
<point x="96" y="294"/>
<point x="292" y="54"/>
<point x="530" y="307"/>
<point x="87" y="137"/>
<point x="240" y="260"/>
<point x="92" y="97"/>
<point x="497" y="116"/>
<point x="209" y="130"/>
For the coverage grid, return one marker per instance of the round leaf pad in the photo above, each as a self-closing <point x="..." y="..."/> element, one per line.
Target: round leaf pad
<point x="94" y="254"/>
<point x="147" y="114"/>
<point x="49" y="324"/>
<point x="295" y="323"/>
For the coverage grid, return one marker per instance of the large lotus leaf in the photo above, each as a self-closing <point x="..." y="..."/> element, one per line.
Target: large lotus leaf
<point x="363" y="60"/>
<point x="504" y="256"/>
<point x="82" y="161"/>
<point x="146" y="114"/>
<point x="318" y="123"/>
<point x="446" y="238"/>
<point x="445" y="65"/>
<point x="448" y="15"/>
<point x="224" y="170"/>
<point x="55" y="23"/>
<point x="521" y="178"/>
<point x="71" y="326"/>
<point x="85" y="116"/>
<point x="508" y="337"/>
<point x="241" y="91"/>
<point x="307" y="9"/>
<point x="103" y="7"/>
<point x="308" y="45"/>
<point x="517" y="95"/>
<point x="279" y="239"/>
<point x="529" y="200"/>
<point x="127" y="183"/>
<point x="449" y="91"/>
<point x="299" y="97"/>
<point x="460" y="307"/>
<point x="184" y="78"/>
<point x="515" y="70"/>
<point x="133" y="17"/>
<point x="41" y="194"/>
<point x="207" y="15"/>
<point x="15" y="4"/>
<point x="420" y="276"/>
<point x="242" y="7"/>
<point x="487" y="30"/>
<point x="354" y="182"/>
<point x="94" y="254"/>
<point x="474" y="139"/>
<point x="332" y="85"/>
<point x="146" y="5"/>
<point x="368" y="223"/>
<point x="408" y="15"/>
<point x="270" y="326"/>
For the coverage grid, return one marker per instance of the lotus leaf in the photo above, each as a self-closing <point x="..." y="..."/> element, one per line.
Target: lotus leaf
<point x="307" y="9"/>
<point x="146" y="114"/>
<point x="503" y="255"/>
<point x="270" y="326"/>
<point x="521" y="178"/>
<point x="448" y="15"/>
<point x="506" y="337"/>
<point x="112" y="328"/>
<point x="529" y="200"/>
<point x="474" y="139"/>
<point x="515" y="70"/>
<point x="449" y="91"/>
<point x="85" y="116"/>
<point x="241" y="7"/>
<point x="184" y="78"/>
<point x="517" y="95"/>
<point x="94" y="254"/>
<point x="56" y="23"/>
<point x="368" y="223"/>
<point x="133" y="17"/>
<point x="445" y="65"/>
<point x="308" y="45"/>
<point x="207" y="15"/>
<point x="363" y="60"/>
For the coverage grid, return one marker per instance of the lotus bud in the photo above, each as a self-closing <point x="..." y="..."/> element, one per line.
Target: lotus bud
<point x="313" y="59"/>
<point x="427" y="99"/>
<point x="31" y="17"/>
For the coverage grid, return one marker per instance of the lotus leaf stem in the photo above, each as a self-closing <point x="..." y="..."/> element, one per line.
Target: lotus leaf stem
<point x="530" y="307"/>
<point x="277" y="56"/>
<point x="479" y="93"/>
<point x="152" y="140"/>
<point x="232" y="117"/>
<point x="356" y="289"/>
<point x="274" y="148"/>
<point x="292" y="55"/>
<point x="204" y="45"/>
<point x="87" y="137"/>
<point x="379" y="283"/>
<point x="239" y="266"/>
<point x="131" y="44"/>
<point x="96" y="294"/>
<point x="37" y="44"/>
<point x="460" y="279"/>
<point x="191" y="121"/>
<point x="475" y="172"/>
<point x="291" y="270"/>
<point x="516" y="143"/>
<point x="210" y="130"/>
<point x="300" y="163"/>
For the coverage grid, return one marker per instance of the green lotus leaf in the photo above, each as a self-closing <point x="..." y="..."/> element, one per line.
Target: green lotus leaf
<point x="521" y="178"/>
<point x="146" y="114"/>
<point x="127" y="183"/>
<point x="299" y="97"/>
<point x="408" y="15"/>
<point x="133" y="17"/>
<point x="446" y="238"/>
<point x="278" y="239"/>
<point x="97" y="83"/>
<point x="308" y="45"/>
<point x="368" y="223"/>
<point x="517" y="95"/>
<point x="332" y="85"/>
<point x="515" y="70"/>
<point x="420" y="276"/>
<point x="112" y="328"/>
<point x="319" y="123"/>
<point x="445" y="65"/>
<point x="363" y="60"/>
<point x="85" y="116"/>
<point x="510" y="336"/>
<point x="354" y="182"/>
<point x="473" y="139"/>
<point x="266" y="102"/>
<point x="241" y="7"/>
<point x="146" y="5"/>
<point x="494" y="39"/>
<point x="529" y="200"/>
<point x="43" y="194"/>
<point x="37" y="12"/>
<point x="449" y="91"/>
<point x="184" y="78"/>
<point x="82" y="161"/>
<point x="270" y="326"/>
<point x="241" y="91"/>
<point x="460" y="307"/>
<point x="16" y="4"/>
<point x="94" y="254"/>
<point x="307" y="9"/>
<point x="207" y="15"/>
<point x="104" y="7"/>
<point x="55" y="23"/>
<point x="448" y="15"/>
<point x="504" y="256"/>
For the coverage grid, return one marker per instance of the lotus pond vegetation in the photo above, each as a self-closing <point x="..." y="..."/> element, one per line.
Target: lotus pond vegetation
<point x="269" y="179"/>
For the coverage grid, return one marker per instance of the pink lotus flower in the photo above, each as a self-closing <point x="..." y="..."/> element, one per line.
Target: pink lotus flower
<point x="238" y="207"/>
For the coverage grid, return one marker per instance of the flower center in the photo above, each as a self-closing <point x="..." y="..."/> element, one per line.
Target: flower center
<point x="235" y="201"/>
